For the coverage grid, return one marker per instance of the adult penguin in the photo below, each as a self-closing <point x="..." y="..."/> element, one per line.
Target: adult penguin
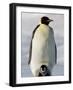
<point x="43" y="51"/>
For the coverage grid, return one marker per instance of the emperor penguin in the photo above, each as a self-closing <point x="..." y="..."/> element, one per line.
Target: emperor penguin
<point x="43" y="50"/>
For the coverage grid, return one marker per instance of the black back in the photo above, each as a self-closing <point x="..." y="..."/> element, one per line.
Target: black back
<point x="30" y="50"/>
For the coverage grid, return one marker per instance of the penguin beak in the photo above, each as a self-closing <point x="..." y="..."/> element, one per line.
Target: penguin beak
<point x="50" y="20"/>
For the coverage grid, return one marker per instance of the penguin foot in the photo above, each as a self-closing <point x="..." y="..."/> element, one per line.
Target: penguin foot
<point x="47" y="74"/>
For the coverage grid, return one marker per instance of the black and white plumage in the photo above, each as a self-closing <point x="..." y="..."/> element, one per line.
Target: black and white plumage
<point x="43" y="51"/>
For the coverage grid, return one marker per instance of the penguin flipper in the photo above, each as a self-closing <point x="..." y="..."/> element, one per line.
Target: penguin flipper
<point x="30" y="49"/>
<point x="55" y="54"/>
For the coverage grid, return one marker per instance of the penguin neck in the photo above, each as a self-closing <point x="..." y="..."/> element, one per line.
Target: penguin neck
<point x="43" y="28"/>
<point x="44" y="25"/>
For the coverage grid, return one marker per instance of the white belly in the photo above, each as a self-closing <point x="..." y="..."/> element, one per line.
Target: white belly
<point x="43" y="49"/>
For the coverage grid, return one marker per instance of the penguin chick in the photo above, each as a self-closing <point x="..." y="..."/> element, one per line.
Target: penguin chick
<point x="44" y="71"/>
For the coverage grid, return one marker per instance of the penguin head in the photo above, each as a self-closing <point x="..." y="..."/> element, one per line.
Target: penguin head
<point x="44" y="71"/>
<point x="45" y="20"/>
